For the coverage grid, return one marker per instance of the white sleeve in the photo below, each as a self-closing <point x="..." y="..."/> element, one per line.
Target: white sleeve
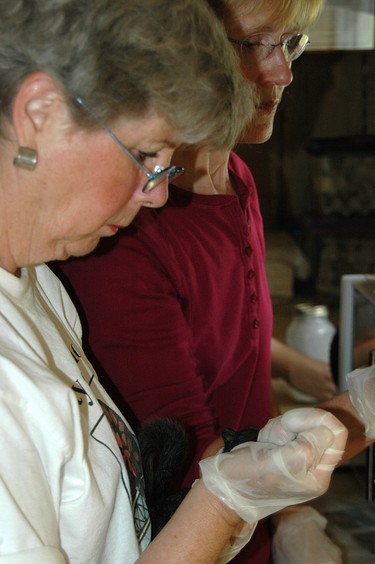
<point x="42" y="555"/>
<point x="31" y="464"/>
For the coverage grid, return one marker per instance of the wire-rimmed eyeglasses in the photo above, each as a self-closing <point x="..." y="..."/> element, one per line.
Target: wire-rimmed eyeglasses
<point x="260" y="46"/>
<point x="154" y="179"/>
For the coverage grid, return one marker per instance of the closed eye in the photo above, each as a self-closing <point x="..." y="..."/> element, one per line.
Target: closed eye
<point x="249" y="44"/>
<point x="142" y="156"/>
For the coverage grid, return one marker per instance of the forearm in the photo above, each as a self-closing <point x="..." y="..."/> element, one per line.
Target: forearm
<point x="362" y="348"/>
<point x="213" y="448"/>
<point x="342" y="408"/>
<point x="303" y="372"/>
<point x="280" y="358"/>
<point x="198" y="532"/>
<point x="287" y="361"/>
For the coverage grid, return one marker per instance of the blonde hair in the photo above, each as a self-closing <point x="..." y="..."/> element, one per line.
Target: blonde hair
<point x="295" y="14"/>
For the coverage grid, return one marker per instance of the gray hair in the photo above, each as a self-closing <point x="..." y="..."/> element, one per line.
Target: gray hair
<point x="129" y="57"/>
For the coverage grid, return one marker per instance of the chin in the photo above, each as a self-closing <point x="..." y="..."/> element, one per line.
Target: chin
<point x="83" y="249"/>
<point x="256" y="133"/>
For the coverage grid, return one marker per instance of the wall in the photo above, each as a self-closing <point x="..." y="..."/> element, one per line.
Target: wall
<point x="333" y="94"/>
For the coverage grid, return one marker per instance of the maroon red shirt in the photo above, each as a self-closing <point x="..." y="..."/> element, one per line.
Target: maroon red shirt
<point x="180" y="318"/>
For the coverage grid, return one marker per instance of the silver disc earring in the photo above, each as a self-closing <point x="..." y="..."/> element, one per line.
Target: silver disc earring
<point x="26" y="158"/>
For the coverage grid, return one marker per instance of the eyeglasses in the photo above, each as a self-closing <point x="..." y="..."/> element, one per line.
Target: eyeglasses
<point x="260" y="46"/>
<point x="154" y="179"/>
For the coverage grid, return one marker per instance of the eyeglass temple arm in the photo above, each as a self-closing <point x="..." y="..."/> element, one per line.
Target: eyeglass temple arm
<point x="81" y="103"/>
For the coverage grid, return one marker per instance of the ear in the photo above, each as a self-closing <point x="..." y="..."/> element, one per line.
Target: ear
<point x="33" y="107"/>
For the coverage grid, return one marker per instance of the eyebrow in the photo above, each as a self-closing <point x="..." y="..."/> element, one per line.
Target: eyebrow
<point x="170" y="144"/>
<point x="165" y="143"/>
<point x="268" y="29"/>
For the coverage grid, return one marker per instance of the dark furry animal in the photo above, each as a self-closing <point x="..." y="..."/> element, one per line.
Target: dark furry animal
<point x="234" y="438"/>
<point x="164" y="447"/>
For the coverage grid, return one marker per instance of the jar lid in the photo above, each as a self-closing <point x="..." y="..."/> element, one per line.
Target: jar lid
<point x="315" y="310"/>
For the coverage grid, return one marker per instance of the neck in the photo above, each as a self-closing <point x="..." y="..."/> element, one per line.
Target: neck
<point x="206" y="172"/>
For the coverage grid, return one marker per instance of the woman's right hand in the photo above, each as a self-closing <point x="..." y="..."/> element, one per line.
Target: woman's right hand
<point x="294" y="465"/>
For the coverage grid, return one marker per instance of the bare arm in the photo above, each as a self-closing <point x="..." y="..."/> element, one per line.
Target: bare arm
<point x="307" y="374"/>
<point x="342" y="408"/>
<point x="198" y="532"/>
<point x="362" y="348"/>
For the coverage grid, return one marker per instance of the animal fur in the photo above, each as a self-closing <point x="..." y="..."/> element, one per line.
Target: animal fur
<point x="164" y="447"/>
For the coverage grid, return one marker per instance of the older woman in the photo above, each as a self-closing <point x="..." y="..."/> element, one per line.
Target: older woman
<point x="95" y="96"/>
<point x="185" y="331"/>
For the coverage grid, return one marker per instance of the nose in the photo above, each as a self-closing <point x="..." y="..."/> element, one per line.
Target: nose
<point x="275" y="69"/>
<point x="157" y="197"/>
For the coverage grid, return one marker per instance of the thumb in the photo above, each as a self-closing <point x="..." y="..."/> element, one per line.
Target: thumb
<point x="319" y="440"/>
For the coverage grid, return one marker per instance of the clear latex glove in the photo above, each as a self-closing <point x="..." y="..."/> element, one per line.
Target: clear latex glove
<point x="238" y="541"/>
<point x="256" y="479"/>
<point x="286" y="427"/>
<point x="361" y="387"/>
<point x="300" y="538"/>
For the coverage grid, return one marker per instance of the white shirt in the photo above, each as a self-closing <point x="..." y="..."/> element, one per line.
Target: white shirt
<point x="68" y="493"/>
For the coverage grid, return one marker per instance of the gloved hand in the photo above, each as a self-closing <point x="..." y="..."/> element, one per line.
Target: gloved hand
<point x="286" y="427"/>
<point x="257" y="479"/>
<point x="361" y="388"/>
<point x="238" y="541"/>
<point x="300" y="538"/>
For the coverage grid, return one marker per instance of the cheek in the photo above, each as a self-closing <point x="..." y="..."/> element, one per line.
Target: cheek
<point x="105" y="175"/>
<point x="115" y="191"/>
<point x="250" y="74"/>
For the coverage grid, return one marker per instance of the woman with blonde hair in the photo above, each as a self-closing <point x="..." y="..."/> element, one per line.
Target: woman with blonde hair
<point x="178" y="309"/>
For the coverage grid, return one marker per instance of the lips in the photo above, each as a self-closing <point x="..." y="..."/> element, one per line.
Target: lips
<point x="114" y="228"/>
<point x="270" y="106"/>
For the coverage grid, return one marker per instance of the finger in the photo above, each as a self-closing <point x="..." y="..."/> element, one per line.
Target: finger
<point x="274" y="432"/>
<point x="302" y="419"/>
<point x="312" y="446"/>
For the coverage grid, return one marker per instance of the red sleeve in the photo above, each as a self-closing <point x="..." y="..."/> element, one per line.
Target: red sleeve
<point x="140" y="336"/>
<point x="183" y="283"/>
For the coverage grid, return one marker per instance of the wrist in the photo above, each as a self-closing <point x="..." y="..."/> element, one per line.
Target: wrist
<point x="217" y="507"/>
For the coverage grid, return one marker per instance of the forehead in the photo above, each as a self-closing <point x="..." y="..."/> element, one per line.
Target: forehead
<point x="153" y="131"/>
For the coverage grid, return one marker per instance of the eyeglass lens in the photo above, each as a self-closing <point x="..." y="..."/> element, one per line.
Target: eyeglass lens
<point x="258" y="48"/>
<point x="166" y="174"/>
<point x="295" y="45"/>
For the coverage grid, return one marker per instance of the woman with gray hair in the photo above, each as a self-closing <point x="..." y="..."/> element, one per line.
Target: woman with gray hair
<point x="95" y="96"/>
